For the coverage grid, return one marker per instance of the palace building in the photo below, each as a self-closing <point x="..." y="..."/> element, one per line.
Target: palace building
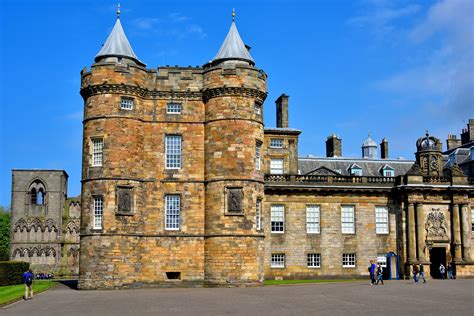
<point x="183" y="185"/>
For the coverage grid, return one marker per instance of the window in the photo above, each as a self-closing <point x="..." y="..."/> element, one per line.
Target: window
<point x="40" y="197"/>
<point x="382" y="260"/>
<point x="258" y="147"/>
<point x="278" y="260"/>
<point x="381" y="220"/>
<point x="258" y="108"/>
<point x="356" y="171"/>
<point x="312" y="219"/>
<point x="278" y="218"/>
<point x="172" y="210"/>
<point x="98" y="212"/>
<point x="97" y="152"/>
<point x="348" y="260"/>
<point x="388" y="173"/>
<point x="347" y="220"/>
<point x="173" y="108"/>
<point x="126" y="104"/>
<point x="258" y="214"/>
<point x="173" y="151"/>
<point x="276" y="166"/>
<point x="314" y="260"/>
<point x="276" y="143"/>
<point x="34" y="196"/>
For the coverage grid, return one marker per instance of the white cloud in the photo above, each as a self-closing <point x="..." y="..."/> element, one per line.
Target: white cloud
<point x="144" y="23"/>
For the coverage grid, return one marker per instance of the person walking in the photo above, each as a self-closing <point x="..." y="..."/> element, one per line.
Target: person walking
<point x="415" y="273"/>
<point x="422" y="273"/>
<point x="379" y="274"/>
<point x="442" y="271"/>
<point x="28" y="277"/>
<point x="372" y="272"/>
<point x="450" y="271"/>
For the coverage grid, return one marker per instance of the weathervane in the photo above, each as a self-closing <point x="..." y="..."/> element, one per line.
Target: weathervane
<point x="118" y="10"/>
<point x="233" y="14"/>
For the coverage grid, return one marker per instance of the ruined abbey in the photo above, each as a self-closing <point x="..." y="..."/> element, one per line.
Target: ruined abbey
<point x="183" y="185"/>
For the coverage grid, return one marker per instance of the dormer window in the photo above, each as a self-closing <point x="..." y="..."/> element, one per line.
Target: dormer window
<point x="126" y="104"/>
<point x="387" y="171"/>
<point x="355" y="170"/>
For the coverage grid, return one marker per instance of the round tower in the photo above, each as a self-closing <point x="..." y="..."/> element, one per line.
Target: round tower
<point x="234" y="91"/>
<point x="112" y="157"/>
<point x="369" y="149"/>
<point x="428" y="155"/>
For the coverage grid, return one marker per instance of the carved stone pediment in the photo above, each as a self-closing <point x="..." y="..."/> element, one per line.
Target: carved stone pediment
<point x="436" y="226"/>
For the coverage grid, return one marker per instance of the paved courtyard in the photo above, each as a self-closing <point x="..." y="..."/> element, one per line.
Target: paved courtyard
<point x="394" y="298"/>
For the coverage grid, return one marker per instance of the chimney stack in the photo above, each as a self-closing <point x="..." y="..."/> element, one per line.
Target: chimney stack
<point x="452" y="142"/>
<point x="282" y="111"/>
<point x="467" y="134"/>
<point x="384" y="149"/>
<point x="333" y="146"/>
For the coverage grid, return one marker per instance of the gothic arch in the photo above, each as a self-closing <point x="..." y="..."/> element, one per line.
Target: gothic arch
<point x="37" y="190"/>
<point x="51" y="225"/>
<point x="21" y="225"/>
<point x="72" y="227"/>
<point x="36" y="224"/>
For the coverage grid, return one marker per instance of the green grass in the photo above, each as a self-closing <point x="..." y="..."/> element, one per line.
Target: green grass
<point x="11" y="293"/>
<point x="280" y="282"/>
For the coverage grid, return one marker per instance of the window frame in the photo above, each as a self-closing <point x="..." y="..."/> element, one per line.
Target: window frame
<point x="378" y="222"/>
<point x="171" y="224"/>
<point x="272" y="169"/>
<point x="344" y="220"/>
<point x="316" y="217"/>
<point x="96" y="153"/>
<point x="472" y="220"/>
<point x="169" y="157"/>
<point x="258" y="155"/>
<point x="318" y="260"/>
<point x="172" y="111"/>
<point x="280" y="263"/>
<point x="279" y="224"/>
<point x="97" y="217"/>
<point x="272" y="143"/>
<point x="346" y="261"/>
<point x="258" y="214"/>
<point x="128" y="102"/>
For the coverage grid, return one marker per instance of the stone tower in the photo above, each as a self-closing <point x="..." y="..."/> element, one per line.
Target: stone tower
<point x="428" y="155"/>
<point x="234" y="91"/>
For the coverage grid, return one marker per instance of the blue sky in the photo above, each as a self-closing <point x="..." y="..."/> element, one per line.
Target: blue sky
<point x="394" y="68"/>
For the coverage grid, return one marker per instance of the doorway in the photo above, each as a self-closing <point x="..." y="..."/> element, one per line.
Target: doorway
<point x="437" y="257"/>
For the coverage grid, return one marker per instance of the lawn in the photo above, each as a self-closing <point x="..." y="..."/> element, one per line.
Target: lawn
<point x="279" y="282"/>
<point x="11" y="293"/>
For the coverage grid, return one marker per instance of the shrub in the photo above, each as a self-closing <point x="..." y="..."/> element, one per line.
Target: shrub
<point x="11" y="272"/>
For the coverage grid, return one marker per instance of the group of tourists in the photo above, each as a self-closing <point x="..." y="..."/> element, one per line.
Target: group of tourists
<point x="418" y="273"/>
<point x="376" y="273"/>
<point x="451" y="271"/>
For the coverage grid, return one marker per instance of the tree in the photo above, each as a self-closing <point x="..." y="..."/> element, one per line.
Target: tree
<point x="4" y="233"/>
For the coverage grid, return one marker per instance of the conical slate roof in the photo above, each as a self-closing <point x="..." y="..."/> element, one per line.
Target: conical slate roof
<point x="117" y="45"/>
<point x="233" y="48"/>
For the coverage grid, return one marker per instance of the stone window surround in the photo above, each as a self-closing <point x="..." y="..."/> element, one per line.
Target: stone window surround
<point x="276" y="143"/>
<point x="282" y="166"/>
<point x="258" y="213"/>
<point x="127" y="103"/>
<point x="353" y="219"/>
<point x="258" y="154"/>
<point x="174" y="108"/>
<point x="318" y="260"/>
<point x="93" y="206"/>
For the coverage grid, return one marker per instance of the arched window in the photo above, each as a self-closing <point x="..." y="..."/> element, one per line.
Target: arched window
<point x="37" y="193"/>
<point x="40" y="197"/>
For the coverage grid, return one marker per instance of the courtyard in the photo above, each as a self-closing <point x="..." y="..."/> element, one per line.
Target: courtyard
<point x="355" y="298"/>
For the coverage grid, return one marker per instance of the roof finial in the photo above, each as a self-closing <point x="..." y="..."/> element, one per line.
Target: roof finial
<point x="233" y="14"/>
<point x="118" y="10"/>
<point x="427" y="133"/>
<point x="368" y="134"/>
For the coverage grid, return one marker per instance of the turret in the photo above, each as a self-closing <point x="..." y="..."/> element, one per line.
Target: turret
<point x="369" y="148"/>
<point x="234" y="91"/>
<point x="428" y="155"/>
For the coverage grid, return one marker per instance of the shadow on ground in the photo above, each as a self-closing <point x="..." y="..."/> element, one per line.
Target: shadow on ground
<point x="72" y="284"/>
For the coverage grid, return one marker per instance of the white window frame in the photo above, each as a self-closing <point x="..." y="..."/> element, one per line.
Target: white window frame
<point x="388" y="173"/>
<point x="348" y="219"/>
<point x="381" y="220"/>
<point x="313" y="219"/>
<point x="174" y="108"/>
<point x="382" y="260"/>
<point x="258" y="108"/>
<point x="126" y="104"/>
<point x="98" y="212"/>
<point x="258" y="155"/>
<point x="258" y="214"/>
<point x="349" y="260"/>
<point x="275" y="167"/>
<point x="278" y="260"/>
<point x="97" y="152"/>
<point x="277" y="218"/>
<point x="356" y="172"/>
<point x="173" y="151"/>
<point x="172" y="212"/>
<point x="276" y="143"/>
<point x="313" y="260"/>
